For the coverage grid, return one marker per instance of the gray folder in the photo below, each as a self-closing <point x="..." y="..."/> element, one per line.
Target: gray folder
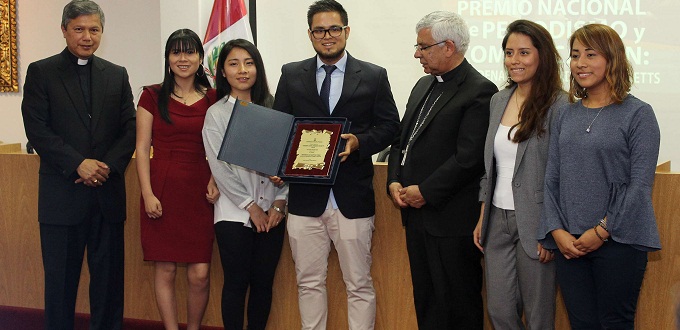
<point x="261" y="139"/>
<point x="256" y="138"/>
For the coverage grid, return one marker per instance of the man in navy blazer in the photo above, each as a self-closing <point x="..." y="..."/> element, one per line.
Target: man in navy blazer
<point x="433" y="175"/>
<point x="79" y="115"/>
<point x="344" y="212"/>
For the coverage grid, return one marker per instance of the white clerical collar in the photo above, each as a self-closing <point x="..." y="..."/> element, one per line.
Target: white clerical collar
<point x="439" y="78"/>
<point x="82" y="62"/>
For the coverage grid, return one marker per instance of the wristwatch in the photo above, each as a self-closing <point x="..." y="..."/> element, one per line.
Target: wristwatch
<point x="278" y="209"/>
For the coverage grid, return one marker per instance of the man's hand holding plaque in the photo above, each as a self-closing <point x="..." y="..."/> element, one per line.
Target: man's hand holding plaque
<point x="351" y="145"/>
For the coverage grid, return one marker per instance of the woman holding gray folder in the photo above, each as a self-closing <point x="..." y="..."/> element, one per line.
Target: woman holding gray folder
<point x="250" y="211"/>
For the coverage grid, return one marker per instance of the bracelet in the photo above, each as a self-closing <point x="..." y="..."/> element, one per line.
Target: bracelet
<point x="278" y="209"/>
<point x="249" y="205"/>
<point x="598" y="234"/>
<point x="603" y="223"/>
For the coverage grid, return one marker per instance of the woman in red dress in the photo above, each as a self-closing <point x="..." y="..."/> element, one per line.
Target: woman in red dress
<point x="177" y="187"/>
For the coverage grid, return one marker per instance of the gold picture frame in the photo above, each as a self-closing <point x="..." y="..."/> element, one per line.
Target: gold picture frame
<point x="8" y="47"/>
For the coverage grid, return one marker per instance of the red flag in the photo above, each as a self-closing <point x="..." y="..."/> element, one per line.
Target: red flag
<point x="228" y="20"/>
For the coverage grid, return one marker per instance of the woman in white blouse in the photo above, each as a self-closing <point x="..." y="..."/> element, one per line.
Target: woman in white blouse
<point x="250" y="212"/>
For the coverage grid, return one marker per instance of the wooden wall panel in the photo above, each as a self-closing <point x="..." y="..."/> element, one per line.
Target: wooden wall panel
<point x="658" y="298"/>
<point x="21" y="275"/>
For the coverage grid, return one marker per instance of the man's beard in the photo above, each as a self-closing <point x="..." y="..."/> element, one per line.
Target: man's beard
<point x="332" y="56"/>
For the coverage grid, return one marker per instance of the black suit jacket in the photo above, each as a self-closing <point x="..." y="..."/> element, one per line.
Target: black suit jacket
<point x="59" y="127"/>
<point x="367" y="102"/>
<point x="446" y="156"/>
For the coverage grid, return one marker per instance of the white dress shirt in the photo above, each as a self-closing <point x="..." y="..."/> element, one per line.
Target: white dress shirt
<point x="337" y="80"/>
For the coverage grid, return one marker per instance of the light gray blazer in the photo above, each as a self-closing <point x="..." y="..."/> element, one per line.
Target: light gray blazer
<point x="528" y="176"/>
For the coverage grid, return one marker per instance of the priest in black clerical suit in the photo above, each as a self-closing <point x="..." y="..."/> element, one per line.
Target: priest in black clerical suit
<point x="434" y="170"/>
<point x="79" y="115"/>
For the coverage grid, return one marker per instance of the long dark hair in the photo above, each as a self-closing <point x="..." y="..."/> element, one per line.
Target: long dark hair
<point x="181" y="40"/>
<point x="259" y="93"/>
<point x="546" y="85"/>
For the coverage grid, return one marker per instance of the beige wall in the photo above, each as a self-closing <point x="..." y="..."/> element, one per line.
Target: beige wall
<point x="131" y="38"/>
<point x="382" y="32"/>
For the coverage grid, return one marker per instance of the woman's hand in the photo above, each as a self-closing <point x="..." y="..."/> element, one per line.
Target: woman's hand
<point x="544" y="255"/>
<point x="275" y="217"/>
<point x="153" y="207"/>
<point x="258" y="217"/>
<point x="277" y="181"/>
<point x="589" y="242"/>
<point x="565" y="242"/>
<point x="213" y="193"/>
<point x="477" y="233"/>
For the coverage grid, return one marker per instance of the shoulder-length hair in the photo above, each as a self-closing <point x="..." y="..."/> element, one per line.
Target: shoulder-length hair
<point x="546" y="84"/>
<point x="259" y="93"/>
<point x="619" y="72"/>
<point x="181" y="40"/>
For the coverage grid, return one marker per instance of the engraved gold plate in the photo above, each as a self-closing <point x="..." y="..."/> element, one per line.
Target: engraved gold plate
<point x="312" y="150"/>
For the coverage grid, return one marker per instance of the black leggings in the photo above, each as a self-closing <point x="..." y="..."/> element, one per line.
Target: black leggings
<point x="248" y="259"/>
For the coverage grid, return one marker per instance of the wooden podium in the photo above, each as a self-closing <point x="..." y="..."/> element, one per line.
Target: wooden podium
<point x="10" y="148"/>
<point x="21" y="275"/>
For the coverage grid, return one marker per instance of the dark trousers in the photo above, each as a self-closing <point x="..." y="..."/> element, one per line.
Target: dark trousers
<point x="601" y="289"/>
<point x="63" y="248"/>
<point x="248" y="259"/>
<point x="447" y="279"/>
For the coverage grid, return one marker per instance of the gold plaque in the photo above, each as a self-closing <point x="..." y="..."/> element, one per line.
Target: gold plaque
<point x="312" y="150"/>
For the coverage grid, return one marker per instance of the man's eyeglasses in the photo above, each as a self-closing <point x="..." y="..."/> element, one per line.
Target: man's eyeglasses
<point x="333" y="31"/>
<point x="422" y="48"/>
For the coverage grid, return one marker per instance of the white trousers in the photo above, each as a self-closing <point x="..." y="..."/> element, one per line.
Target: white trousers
<point x="310" y="241"/>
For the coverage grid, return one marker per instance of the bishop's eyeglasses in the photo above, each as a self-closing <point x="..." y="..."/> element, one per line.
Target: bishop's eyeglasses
<point x="422" y="48"/>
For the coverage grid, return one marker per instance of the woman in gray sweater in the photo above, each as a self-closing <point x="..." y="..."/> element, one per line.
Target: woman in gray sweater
<point x="598" y="185"/>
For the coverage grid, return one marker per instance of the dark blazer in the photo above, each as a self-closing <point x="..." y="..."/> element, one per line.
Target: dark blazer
<point x="445" y="158"/>
<point x="367" y="102"/>
<point x="528" y="176"/>
<point x="59" y="128"/>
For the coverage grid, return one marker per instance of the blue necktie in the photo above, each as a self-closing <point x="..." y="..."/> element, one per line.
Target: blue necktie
<point x="326" y="86"/>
